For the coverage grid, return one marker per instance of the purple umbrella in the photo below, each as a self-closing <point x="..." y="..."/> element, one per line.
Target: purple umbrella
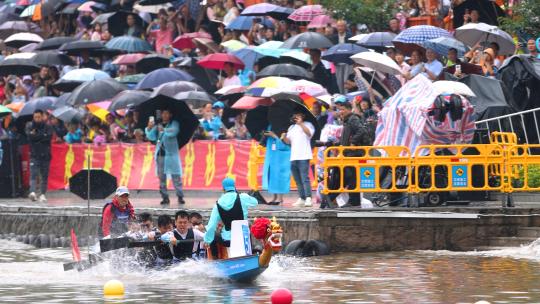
<point x="161" y="76"/>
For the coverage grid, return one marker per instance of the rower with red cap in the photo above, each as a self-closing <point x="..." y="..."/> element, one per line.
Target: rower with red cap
<point x="117" y="214"/>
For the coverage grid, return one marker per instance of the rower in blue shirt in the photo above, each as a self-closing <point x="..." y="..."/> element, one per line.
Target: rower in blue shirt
<point x="230" y="206"/>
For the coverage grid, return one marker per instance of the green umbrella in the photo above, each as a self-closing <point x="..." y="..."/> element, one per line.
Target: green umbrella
<point x="4" y="111"/>
<point x="131" y="78"/>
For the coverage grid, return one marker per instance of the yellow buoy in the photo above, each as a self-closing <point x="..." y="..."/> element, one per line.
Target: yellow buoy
<point x="113" y="288"/>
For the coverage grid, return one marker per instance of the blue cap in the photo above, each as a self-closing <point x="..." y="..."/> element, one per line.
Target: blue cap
<point x="228" y="184"/>
<point x="218" y="104"/>
<point x="341" y="99"/>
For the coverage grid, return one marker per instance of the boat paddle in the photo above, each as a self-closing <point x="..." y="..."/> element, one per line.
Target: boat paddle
<point x="79" y="264"/>
<point x="124" y="242"/>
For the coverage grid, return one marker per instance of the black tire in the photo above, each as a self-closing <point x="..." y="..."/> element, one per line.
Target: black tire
<point x="56" y="243"/>
<point x="434" y="199"/>
<point x="31" y="239"/>
<point x="25" y="239"/>
<point x="44" y="241"/>
<point x="19" y="238"/>
<point x="295" y="247"/>
<point x="315" y="248"/>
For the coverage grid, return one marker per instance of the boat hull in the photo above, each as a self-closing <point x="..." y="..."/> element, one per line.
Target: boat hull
<point x="240" y="269"/>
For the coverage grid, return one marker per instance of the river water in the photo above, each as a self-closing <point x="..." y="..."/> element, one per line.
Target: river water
<point x="30" y="275"/>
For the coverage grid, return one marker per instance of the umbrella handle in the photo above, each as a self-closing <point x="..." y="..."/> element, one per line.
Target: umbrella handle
<point x="372" y="77"/>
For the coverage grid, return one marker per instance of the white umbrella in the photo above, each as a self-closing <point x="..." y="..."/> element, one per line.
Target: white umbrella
<point x="22" y="39"/>
<point x="378" y="62"/>
<point x="152" y="9"/>
<point x="473" y="33"/>
<point x="453" y="87"/>
<point x="21" y="56"/>
<point x="28" y="11"/>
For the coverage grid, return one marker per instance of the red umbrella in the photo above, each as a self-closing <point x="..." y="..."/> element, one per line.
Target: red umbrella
<point x="128" y="59"/>
<point x="185" y="41"/>
<point x="217" y="61"/>
<point x="251" y="102"/>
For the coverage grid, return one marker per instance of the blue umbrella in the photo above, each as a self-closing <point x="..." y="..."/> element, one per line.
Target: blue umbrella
<point x="442" y="45"/>
<point x="244" y="23"/>
<point x="248" y="56"/>
<point x="129" y="44"/>
<point x="341" y="53"/>
<point x="271" y="48"/>
<point x="161" y="76"/>
<point x="241" y="23"/>
<point x="411" y="38"/>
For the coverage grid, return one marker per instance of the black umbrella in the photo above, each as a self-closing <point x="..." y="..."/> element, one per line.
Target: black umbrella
<point x="70" y="9"/>
<point x="174" y="87"/>
<point x="117" y="22"/>
<point x="280" y="114"/>
<point x="95" y="91"/>
<point x="25" y="115"/>
<point x="265" y="61"/>
<point x="229" y="114"/>
<point x="196" y="98"/>
<point x="53" y="43"/>
<point x="18" y="66"/>
<point x="153" y="2"/>
<point x="128" y="99"/>
<point x="102" y="18"/>
<point x="75" y="48"/>
<point x="50" y="7"/>
<point x="203" y="77"/>
<point x="42" y="103"/>
<point x="62" y="101"/>
<point x="66" y="85"/>
<point x="12" y="27"/>
<point x="68" y="114"/>
<point x="307" y="40"/>
<point x="257" y="121"/>
<point x="181" y="113"/>
<point x="285" y="70"/>
<point x="151" y="63"/>
<point x="292" y="60"/>
<point x="50" y="58"/>
<point x="8" y="13"/>
<point x="102" y="184"/>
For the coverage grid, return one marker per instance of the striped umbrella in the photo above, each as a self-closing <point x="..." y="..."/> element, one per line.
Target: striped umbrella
<point x="411" y="38"/>
<point x="306" y="13"/>
<point x="404" y="120"/>
<point x="29" y="11"/>
<point x="269" y="86"/>
<point x="99" y="109"/>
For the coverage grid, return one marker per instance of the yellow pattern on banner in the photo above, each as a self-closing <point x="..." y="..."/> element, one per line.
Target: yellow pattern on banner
<point x="230" y="162"/>
<point x="253" y="166"/>
<point x="126" y="166"/>
<point x="189" y="159"/>
<point x="70" y="159"/>
<point x="147" y="164"/>
<point x="108" y="161"/>
<point x="88" y="157"/>
<point x="210" y="164"/>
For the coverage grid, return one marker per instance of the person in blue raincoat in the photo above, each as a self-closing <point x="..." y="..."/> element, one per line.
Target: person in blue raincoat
<point x="277" y="168"/>
<point x="213" y="125"/>
<point x="166" y="156"/>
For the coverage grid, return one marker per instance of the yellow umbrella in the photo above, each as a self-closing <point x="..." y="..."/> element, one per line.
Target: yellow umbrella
<point x="233" y="45"/>
<point x="99" y="109"/>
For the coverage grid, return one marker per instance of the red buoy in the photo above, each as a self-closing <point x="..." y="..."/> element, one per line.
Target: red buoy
<point x="281" y="296"/>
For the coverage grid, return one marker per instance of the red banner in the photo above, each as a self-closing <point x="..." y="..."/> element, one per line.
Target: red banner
<point x="204" y="163"/>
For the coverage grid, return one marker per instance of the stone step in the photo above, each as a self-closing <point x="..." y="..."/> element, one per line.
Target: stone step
<point x="510" y="241"/>
<point x="529" y="232"/>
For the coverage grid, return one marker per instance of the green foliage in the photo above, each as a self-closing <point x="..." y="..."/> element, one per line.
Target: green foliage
<point x="373" y="13"/>
<point x="533" y="177"/>
<point x="525" y="18"/>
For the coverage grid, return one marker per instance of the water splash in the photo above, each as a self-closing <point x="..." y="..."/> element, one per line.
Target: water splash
<point x="529" y="252"/>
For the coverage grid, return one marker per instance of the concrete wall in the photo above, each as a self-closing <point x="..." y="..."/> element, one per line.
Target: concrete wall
<point x="344" y="232"/>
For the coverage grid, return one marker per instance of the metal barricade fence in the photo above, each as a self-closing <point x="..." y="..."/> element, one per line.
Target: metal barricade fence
<point x="366" y="169"/>
<point x="458" y="168"/>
